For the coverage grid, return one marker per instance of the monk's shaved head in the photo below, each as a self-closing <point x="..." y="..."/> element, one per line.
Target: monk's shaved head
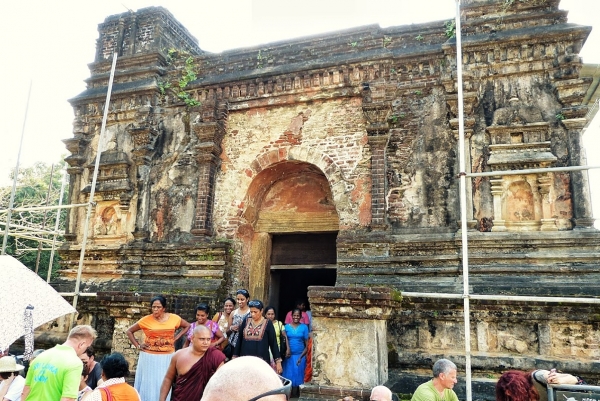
<point x="201" y="329"/>
<point x="241" y="379"/>
<point x="381" y="393"/>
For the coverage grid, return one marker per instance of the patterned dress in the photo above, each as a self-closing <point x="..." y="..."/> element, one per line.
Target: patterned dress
<point x="257" y="339"/>
<point x="237" y="319"/>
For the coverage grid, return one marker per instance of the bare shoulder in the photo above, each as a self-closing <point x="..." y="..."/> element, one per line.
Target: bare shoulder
<point x="179" y="353"/>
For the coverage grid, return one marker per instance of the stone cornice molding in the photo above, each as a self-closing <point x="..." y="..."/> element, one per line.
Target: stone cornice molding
<point x="353" y="302"/>
<point x="574" y="123"/>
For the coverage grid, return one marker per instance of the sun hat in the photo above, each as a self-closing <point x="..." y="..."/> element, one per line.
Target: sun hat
<point x="8" y="364"/>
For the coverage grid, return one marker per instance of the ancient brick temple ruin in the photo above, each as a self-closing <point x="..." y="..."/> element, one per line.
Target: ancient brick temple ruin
<point x="331" y="162"/>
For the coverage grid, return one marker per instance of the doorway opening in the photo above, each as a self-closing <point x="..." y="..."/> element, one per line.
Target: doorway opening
<point x="297" y="262"/>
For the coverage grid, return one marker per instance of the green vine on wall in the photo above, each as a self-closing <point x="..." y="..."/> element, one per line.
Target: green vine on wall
<point x="450" y="28"/>
<point x="188" y="74"/>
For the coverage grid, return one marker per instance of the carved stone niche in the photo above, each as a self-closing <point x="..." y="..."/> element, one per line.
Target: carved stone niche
<point x="522" y="202"/>
<point x="113" y="195"/>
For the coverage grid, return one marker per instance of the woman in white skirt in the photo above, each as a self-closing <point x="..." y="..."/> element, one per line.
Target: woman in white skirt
<point x="157" y="349"/>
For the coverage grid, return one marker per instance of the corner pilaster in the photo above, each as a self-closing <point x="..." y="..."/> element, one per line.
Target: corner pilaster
<point x="349" y="339"/>
<point x="580" y="185"/>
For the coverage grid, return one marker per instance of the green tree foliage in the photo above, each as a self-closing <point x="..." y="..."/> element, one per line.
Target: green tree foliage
<point x="27" y="228"/>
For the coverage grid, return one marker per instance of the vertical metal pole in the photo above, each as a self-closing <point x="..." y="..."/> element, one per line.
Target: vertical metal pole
<point x="95" y="177"/>
<point x="57" y="222"/>
<point x="39" y="250"/>
<point x="463" y="206"/>
<point x="14" y="187"/>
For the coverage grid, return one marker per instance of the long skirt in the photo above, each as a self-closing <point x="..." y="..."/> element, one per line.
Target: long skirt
<point x="151" y="369"/>
<point x="294" y="371"/>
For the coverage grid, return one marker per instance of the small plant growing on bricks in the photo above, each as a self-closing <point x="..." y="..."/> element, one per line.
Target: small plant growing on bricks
<point x="188" y="74"/>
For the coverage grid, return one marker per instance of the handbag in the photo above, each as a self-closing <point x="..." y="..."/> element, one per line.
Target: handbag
<point x="228" y="351"/>
<point x="108" y="394"/>
<point x="282" y="343"/>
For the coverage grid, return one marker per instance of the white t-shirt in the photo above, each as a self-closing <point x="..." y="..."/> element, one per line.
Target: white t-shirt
<point x="15" y="389"/>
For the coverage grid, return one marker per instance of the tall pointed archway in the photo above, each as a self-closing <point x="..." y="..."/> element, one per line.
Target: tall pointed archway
<point x="292" y="202"/>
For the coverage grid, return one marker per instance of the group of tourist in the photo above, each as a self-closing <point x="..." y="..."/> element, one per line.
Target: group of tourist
<point x="248" y="330"/>
<point x="251" y="337"/>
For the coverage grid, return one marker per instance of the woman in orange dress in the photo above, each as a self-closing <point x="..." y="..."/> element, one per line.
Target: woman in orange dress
<point x="157" y="348"/>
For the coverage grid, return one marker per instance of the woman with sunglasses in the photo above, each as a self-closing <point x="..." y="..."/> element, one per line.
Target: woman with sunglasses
<point x="257" y="337"/>
<point x="238" y="316"/>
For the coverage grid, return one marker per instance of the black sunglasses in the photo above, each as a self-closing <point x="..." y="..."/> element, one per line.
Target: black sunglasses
<point x="285" y="389"/>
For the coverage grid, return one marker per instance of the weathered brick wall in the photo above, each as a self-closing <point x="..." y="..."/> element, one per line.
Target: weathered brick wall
<point x="325" y="129"/>
<point x="152" y="28"/>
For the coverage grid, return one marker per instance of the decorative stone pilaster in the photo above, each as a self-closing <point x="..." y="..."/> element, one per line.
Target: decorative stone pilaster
<point x="470" y="102"/>
<point x="545" y="191"/>
<point x="580" y="185"/>
<point x="144" y="140"/>
<point x="378" y="144"/>
<point x="349" y="340"/>
<point x="497" y="192"/>
<point x="376" y="115"/>
<point x="77" y="146"/>
<point x="210" y="131"/>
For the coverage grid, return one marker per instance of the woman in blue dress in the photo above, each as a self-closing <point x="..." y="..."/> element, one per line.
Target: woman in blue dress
<point x="294" y="365"/>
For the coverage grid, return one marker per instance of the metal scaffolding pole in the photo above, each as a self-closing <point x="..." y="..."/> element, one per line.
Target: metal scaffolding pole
<point x="94" y="178"/>
<point x="36" y="208"/>
<point x="540" y="170"/>
<point x="463" y="206"/>
<point x="57" y="222"/>
<point x="39" y="251"/>
<point x="14" y="187"/>
<point x="517" y="298"/>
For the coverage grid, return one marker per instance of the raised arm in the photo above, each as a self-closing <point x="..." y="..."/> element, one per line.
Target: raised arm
<point x="130" y="334"/>
<point x="184" y="326"/>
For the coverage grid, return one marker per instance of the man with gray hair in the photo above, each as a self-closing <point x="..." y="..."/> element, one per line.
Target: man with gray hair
<point x="440" y="387"/>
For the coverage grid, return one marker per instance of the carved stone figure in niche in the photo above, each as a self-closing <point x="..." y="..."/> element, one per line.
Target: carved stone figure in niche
<point x="520" y="202"/>
<point x="107" y="222"/>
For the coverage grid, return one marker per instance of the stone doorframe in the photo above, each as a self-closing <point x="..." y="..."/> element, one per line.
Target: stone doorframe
<point x="266" y="169"/>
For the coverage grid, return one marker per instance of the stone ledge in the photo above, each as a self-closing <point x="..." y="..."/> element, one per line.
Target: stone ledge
<point x="316" y="392"/>
<point x="204" y="273"/>
<point x="352" y="302"/>
<point x="205" y="262"/>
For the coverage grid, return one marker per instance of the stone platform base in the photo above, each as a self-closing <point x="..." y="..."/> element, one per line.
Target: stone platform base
<point x="313" y="392"/>
<point x="402" y="384"/>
